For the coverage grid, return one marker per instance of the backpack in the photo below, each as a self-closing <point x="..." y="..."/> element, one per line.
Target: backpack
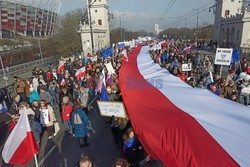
<point x="77" y="119"/>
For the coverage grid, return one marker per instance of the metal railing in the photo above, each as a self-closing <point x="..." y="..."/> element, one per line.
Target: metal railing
<point x="26" y="67"/>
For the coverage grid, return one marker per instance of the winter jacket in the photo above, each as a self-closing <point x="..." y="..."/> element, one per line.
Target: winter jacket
<point x="67" y="111"/>
<point x="34" y="96"/>
<point x="20" y="86"/>
<point x="83" y="99"/>
<point x="36" y="129"/>
<point x="132" y="150"/>
<point x="35" y="83"/>
<point x="45" y="96"/>
<point x="80" y="127"/>
<point x="52" y="118"/>
<point x="14" y="108"/>
<point x="229" y="78"/>
<point x="229" y="91"/>
<point x="75" y="94"/>
<point x="27" y="89"/>
<point x="244" y="85"/>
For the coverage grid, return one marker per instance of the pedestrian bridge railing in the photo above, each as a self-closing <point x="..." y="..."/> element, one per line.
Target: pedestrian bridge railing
<point x="27" y="67"/>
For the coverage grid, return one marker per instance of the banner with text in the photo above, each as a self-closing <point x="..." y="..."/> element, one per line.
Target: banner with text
<point x="223" y="56"/>
<point x="109" y="109"/>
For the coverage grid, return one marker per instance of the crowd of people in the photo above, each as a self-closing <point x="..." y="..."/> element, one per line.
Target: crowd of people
<point x="69" y="91"/>
<point x="204" y="74"/>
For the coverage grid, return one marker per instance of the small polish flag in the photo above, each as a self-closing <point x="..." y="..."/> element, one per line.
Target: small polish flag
<point x="21" y="145"/>
<point x="60" y="67"/>
<point x="159" y="57"/>
<point x="187" y="49"/>
<point x="109" y="79"/>
<point x="80" y="73"/>
<point x="63" y="82"/>
<point x="101" y="83"/>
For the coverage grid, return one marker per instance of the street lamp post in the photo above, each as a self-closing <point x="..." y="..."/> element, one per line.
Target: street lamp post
<point x="121" y="24"/>
<point x="197" y="25"/>
<point x="185" y="28"/>
<point x="90" y="25"/>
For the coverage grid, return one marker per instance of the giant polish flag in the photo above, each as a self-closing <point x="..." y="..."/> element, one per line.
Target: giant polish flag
<point x="21" y="145"/>
<point x="181" y="125"/>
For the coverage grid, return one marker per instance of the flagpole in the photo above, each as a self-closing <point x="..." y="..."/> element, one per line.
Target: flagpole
<point x="36" y="162"/>
<point x="221" y="68"/>
<point x="240" y="66"/>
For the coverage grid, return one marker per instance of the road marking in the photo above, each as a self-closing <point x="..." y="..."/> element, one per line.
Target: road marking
<point x="47" y="155"/>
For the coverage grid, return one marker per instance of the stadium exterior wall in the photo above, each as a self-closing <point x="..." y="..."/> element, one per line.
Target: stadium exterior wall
<point x="28" y="18"/>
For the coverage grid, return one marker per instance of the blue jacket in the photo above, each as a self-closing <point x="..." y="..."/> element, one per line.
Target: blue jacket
<point x="80" y="130"/>
<point x="34" y="96"/>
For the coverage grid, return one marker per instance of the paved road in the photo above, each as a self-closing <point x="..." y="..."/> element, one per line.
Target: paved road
<point x="64" y="151"/>
<point x="102" y="148"/>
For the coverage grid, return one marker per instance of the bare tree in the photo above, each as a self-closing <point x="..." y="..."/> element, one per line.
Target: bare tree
<point x="67" y="40"/>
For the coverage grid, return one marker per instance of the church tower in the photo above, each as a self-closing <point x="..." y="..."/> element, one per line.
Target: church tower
<point x="100" y="26"/>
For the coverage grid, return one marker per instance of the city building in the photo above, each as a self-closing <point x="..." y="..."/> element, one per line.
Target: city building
<point x="99" y="11"/>
<point x="232" y="24"/>
<point x="157" y="29"/>
<point x="28" y="17"/>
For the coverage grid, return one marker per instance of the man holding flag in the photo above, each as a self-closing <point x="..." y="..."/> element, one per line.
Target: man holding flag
<point x="21" y="145"/>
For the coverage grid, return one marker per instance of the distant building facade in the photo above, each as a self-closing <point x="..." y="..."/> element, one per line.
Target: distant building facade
<point x="232" y="24"/>
<point x="28" y="18"/>
<point x="100" y="23"/>
<point x="157" y="29"/>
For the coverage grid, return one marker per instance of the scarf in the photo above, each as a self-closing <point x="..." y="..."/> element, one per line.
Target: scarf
<point x="129" y="143"/>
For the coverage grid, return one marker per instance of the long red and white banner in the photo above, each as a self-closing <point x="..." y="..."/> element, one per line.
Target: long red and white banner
<point x="181" y="125"/>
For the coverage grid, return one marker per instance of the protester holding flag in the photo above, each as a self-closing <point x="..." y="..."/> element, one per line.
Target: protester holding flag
<point x="21" y="145"/>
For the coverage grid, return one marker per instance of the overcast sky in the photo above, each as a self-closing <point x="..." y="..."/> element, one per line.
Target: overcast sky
<point x="143" y="14"/>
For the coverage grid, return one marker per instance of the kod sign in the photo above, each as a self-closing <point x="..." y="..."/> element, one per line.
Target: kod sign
<point x="223" y="56"/>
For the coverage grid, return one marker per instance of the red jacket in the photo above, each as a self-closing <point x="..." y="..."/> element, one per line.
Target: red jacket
<point x="182" y="77"/>
<point x="49" y="76"/>
<point x="66" y="112"/>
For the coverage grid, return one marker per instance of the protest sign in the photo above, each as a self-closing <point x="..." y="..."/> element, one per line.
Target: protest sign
<point x="110" y="68"/>
<point x="223" y="56"/>
<point x="109" y="109"/>
<point x="187" y="67"/>
<point x="94" y="58"/>
<point x="44" y="116"/>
